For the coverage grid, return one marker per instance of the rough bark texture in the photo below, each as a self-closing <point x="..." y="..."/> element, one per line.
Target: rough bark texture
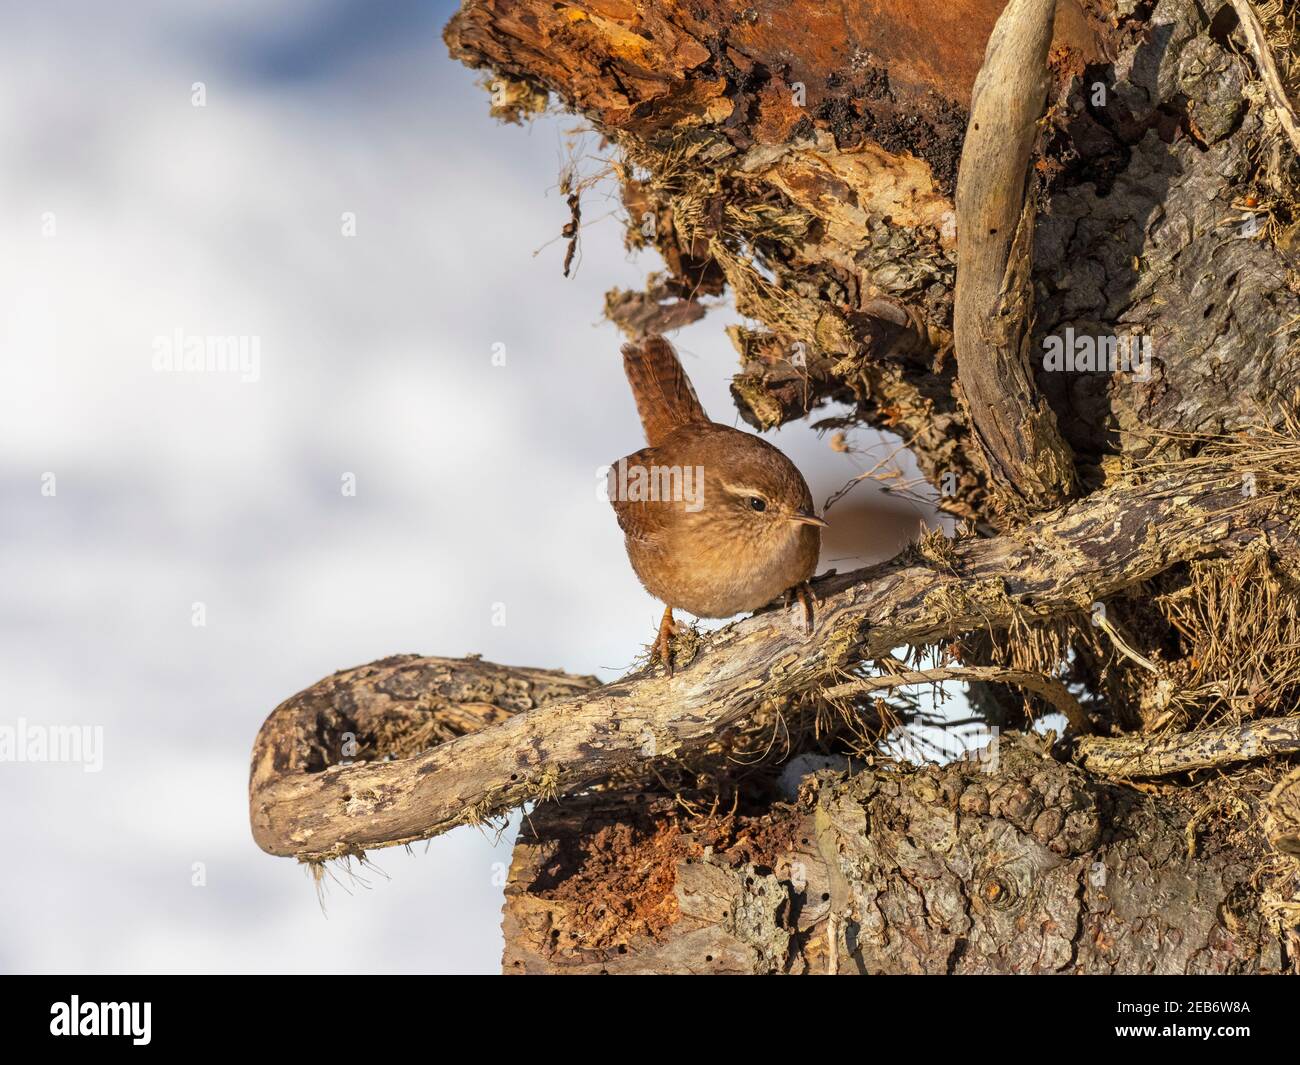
<point x="306" y="805"/>
<point x="1142" y="756"/>
<point x="375" y="715"/>
<point x="825" y="147"/>
<point x="847" y="201"/>
<point x="825" y="140"/>
<point x="1019" y="448"/>
<point x="804" y="159"/>
<point x="1017" y="864"/>
<point x="1159" y="244"/>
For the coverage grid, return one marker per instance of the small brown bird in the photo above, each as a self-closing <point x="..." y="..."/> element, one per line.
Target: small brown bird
<point x="717" y="521"/>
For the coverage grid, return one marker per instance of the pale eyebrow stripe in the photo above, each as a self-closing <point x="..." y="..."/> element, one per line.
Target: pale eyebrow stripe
<point x="741" y="490"/>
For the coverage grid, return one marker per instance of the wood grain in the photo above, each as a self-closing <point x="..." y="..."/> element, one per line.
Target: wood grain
<point x="1021" y="448"/>
<point x="1057" y="564"/>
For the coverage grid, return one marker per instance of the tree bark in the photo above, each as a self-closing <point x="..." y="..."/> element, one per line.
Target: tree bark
<point x="1149" y="144"/>
<point x="306" y="804"/>
<point x="1006" y="864"/>
<point x="1019" y="448"/>
<point x="1135" y="179"/>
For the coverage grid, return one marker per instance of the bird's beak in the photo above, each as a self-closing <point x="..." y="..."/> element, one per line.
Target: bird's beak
<point x="804" y="517"/>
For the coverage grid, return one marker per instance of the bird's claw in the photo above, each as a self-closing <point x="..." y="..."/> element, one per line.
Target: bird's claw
<point x="662" y="650"/>
<point x="804" y="620"/>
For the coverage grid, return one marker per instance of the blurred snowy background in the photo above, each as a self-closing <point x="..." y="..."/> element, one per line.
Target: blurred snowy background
<point x="129" y="213"/>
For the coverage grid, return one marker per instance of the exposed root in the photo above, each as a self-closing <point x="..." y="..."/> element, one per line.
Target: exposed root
<point x="1147" y="756"/>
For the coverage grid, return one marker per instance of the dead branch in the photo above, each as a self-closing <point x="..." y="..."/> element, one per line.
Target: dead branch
<point x="398" y="706"/>
<point x="1016" y="430"/>
<point x="1162" y="756"/>
<point x="1049" y="688"/>
<point x="1262" y="53"/>
<point x="1056" y="564"/>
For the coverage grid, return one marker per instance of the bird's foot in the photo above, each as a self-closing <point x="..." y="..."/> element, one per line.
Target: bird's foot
<point x="662" y="651"/>
<point x="803" y="600"/>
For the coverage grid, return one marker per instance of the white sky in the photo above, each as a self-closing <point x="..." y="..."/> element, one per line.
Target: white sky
<point x="476" y="484"/>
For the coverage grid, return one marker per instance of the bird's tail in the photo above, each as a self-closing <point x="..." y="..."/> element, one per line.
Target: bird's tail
<point x="664" y="396"/>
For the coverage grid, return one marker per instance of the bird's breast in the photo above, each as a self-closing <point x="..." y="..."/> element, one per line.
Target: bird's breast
<point x="713" y="574"/>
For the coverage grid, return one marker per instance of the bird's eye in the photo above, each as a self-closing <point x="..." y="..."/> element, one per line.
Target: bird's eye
<point x="757" y="504"/>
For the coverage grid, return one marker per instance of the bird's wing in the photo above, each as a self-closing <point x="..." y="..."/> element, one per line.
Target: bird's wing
<point x="639" y="520"/>
<point x="664" y="396"/>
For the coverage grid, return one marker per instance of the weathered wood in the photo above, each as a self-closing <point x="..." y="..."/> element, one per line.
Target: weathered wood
<point x="993" y="313"/>
<point x="850" y="117"/>
<point x="1282" y="814"/>
<point x="644" y="65"/>
<point x="805" y="158"/>
<point x="1060" y="563"/>
<point x="1134" y="234"/>
<point x="390" y="709"/>
<point x="1004" y="863"/>
<point x="1182" y="752"/>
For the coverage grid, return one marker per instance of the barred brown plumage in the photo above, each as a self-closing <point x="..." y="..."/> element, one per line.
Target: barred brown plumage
<point x="716" y="521"/>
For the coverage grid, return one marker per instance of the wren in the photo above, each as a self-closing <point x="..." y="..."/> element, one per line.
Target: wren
<point x="717" y="522"/>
